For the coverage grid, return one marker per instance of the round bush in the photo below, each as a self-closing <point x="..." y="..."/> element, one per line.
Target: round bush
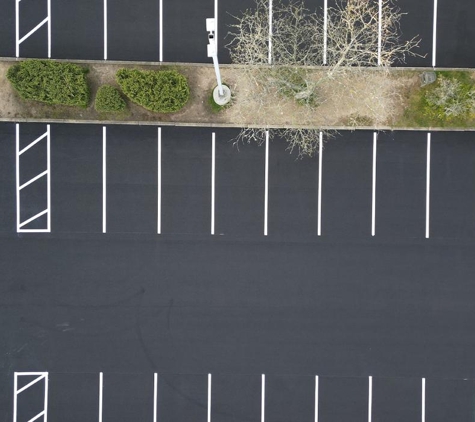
<point x="50" y="82"/>
<point x="108" y="99"/>
<point x="164" y="91"/>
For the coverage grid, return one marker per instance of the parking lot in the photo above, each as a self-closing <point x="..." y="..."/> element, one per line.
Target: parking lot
<point x="195" y="181"/>
<point x="155" y="397"/>
<point x="172" y="31"/>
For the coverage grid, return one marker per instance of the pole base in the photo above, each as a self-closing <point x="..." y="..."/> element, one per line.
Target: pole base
<point x="222" y="100"/>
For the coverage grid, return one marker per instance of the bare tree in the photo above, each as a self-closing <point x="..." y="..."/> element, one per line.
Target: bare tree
<point x="357" y="35"/>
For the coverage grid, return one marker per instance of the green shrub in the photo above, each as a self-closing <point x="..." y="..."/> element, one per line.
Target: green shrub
<point x="50" y="82"/>
<point x="164" y="91"/>
<point x="108" y="99"/>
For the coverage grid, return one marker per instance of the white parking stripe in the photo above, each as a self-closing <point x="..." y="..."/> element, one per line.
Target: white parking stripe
<point x="33" y="143"/>
<point x="434" y="35"/>
<point x="325" y="30"/>
<point x="320" y="165"/>
<point x="316" y="398"/>
<point x="160" y="30"/>
<point x="155" y="383"/>
<point x="104" y="175"/>
<point x="216" y="38"/>
<point x="45" y="419"/>
<point x="209" y="397"/>
<point x="34" y="218"/>
<point x="34" y="179"/>
<point x="101" y="383"/>
<point x="17" y="28"/>
<point x="33" y="30"/>
<point x="270" y="32"/>
<point x="105" y="29"/>
<point x="428" y="185"/>
<point x="373" y="203"/>
<point x="263" y="397"/>
<point x="17" y="159"/>
<point x="48" y="164"/>
<point x="159" y="182"/>
<point x="266" y="188"/>
<point x="423" y="404"/>
<point x="49" y="31"/>
<point x="380" y="22"/>
<point x="370" y="398"/>
<point x="213" y="178"/>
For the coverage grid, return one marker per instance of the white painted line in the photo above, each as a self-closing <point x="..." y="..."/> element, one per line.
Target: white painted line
<point x="33" y="231"/>
<point x="39" y="415"/>
<point x="34" y="218"/>
<point x="155" y="392"/>
<point x="428" y="185"/>
<point x="34" y="179"/>
<point x="15" y="394"/>
<point x="270" y="32"/>
<point x="370" y="399"/>
<point x="263" y="397"/>
<point x="266" y="188"/>
<point x="213" y="178"/>
<point x="33" y="143"/>
<point x="316" y="398"/>
<point x="325" y="30"/>
<point x="105" y="29"/>
<point x="373" y="203"/>
<point x="209" y="397"/>
<point x="159" y="182"/>
<point x="160" y="30"/>
<point x="45" y="419"/>
<point x="104" y="174"/>
<point x="33" y="30"/>
<point x="101" y="384"/>
<point x="49" y="44"/>
<point x="320" y="165"/>
<point x="42" y="376"/>
<point x="30" y="373"/>
<point x="17" y="28"/>
<point x="434" y="35"/>
<point x="17" y="159"/>
<point x="216" y="20"/>
<point x="423" y="410"/>
<point x="48" y="166"/>
<point x="380" y="23"/>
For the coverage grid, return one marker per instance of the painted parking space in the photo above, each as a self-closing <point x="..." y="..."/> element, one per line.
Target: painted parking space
<point x="7" y="29"/>
<point x="7" y="178"/>
<point x="77" y="29"/>
<point x="184" y="31"/>
<point x="293" y="192"/>
<point x="186" y="163"/>
<point x="401" y="184"/>
<point x="76" y="161"/>
<point x="133" y="31"/>
<point x="73" y="397"/>
<point x="397" y="399"/>
<point x="182" y="398"/>
<point x="346" y="185"/>
<point x="33" y="20"/>
<point x="455" y="33"/>
<point x="127" y="397"/>
<point x="417" y="21"/>
<point x="452" y="187"/>
<point x="236" y="397"/>
<point x="450" y="400"/>
<point x="240" y="190"/>
<point x="30" y="396"/>
<point x="131" y="179"/>
<point x="290" y="398"/>
<point x="343" y="399"/>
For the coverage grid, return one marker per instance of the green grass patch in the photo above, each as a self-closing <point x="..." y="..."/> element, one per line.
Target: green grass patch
<point x="109" y="100"/>
<point x="449" y="102"/>
<point x="163" y="91"/>
<point x="216" y="108"/>
<point x="50" y="82"/>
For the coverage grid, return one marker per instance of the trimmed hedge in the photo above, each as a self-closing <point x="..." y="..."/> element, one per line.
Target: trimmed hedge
<point x="108" y="99"/>
<point x="164" y="91"/>
<point x="50" y="82"/>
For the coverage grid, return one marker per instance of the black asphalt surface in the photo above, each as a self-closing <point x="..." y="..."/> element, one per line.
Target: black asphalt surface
<point x="291" y="305"/>
<point x="77" y="29"/>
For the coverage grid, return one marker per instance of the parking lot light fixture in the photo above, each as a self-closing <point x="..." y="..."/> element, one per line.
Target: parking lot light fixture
<point x="222" y="93"/>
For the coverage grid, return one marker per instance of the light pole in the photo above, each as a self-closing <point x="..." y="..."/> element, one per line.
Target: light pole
<point x="222" y="93"/>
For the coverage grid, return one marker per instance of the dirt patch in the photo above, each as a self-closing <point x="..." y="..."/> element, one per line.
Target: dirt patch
<point x="372" y="98"/>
